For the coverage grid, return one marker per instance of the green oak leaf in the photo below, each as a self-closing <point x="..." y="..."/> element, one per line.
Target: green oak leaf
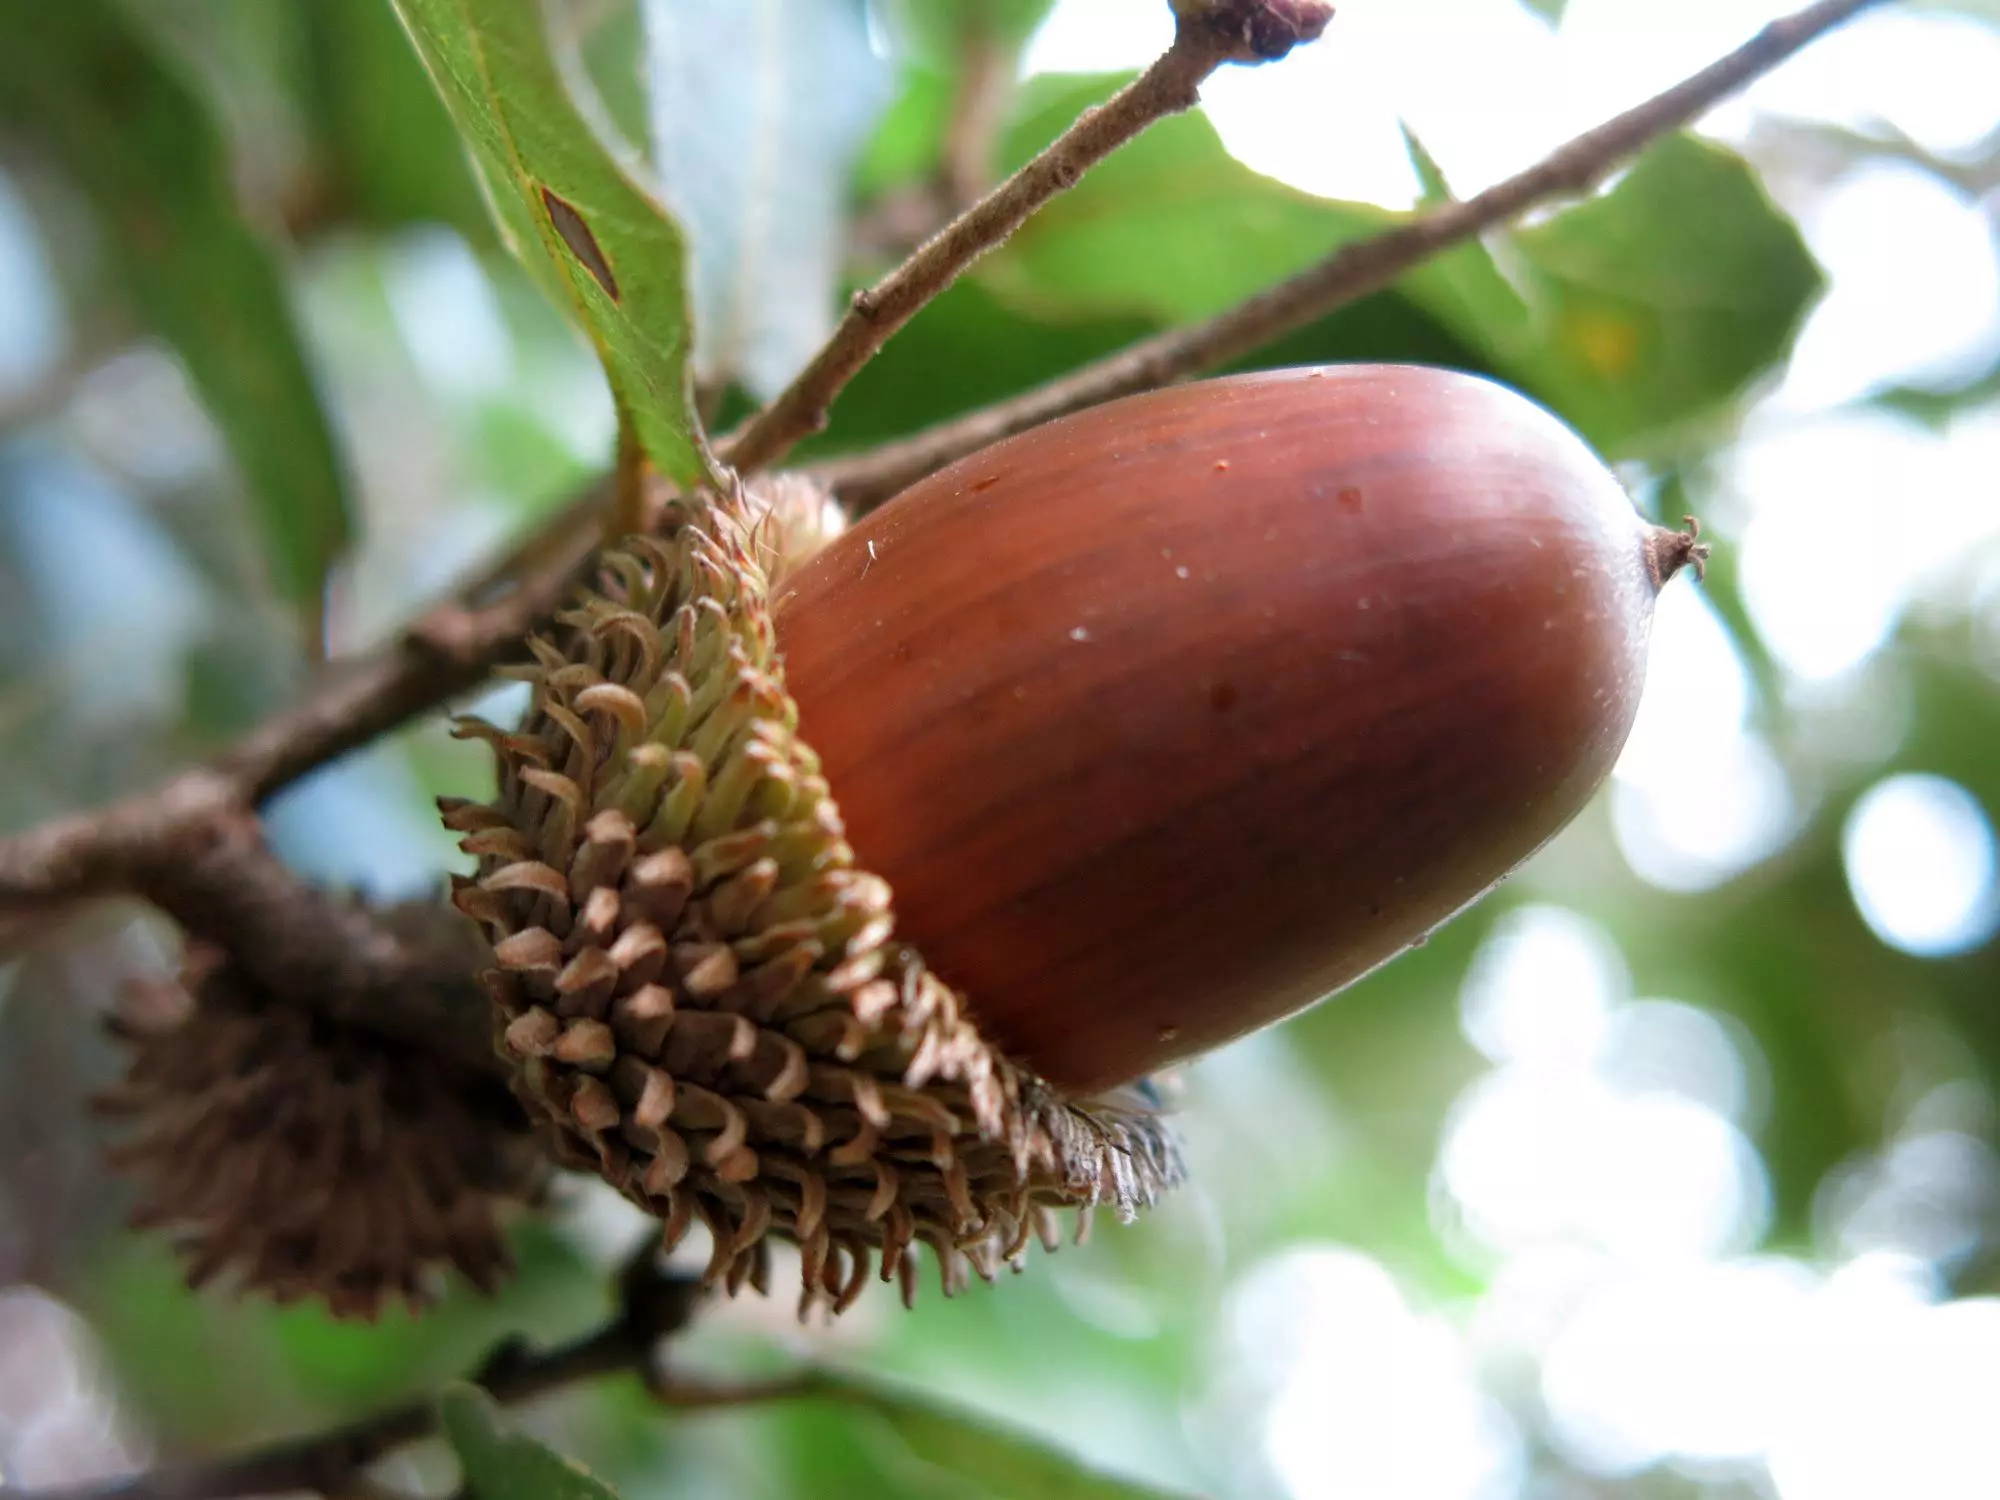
<point x="594" y="234"/>
<point x="990" y="1459"/>
<point x="1634" y="313"/>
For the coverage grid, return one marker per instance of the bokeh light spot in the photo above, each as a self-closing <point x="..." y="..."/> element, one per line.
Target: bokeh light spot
<point x="1914" y="294"/>
<point x="1852" y="516"/>
<point x="1932" y="1196"/>
<point x="1368" y="1398"/>
<point x="1696" y="798"/>
<point x="32" y="331"/>
<point x="1533" y="1154"/>
<point x="1920" y="863"/>
<point x="1670" y="1047"/>
<point x="1541" y="986"/>
<point x="1890" y="1395"/>
<point x="448" y="313"/>
<point x="1686" y="1363"/>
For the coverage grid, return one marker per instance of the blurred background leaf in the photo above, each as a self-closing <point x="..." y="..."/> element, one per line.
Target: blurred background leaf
<point x="1650" y="315"/>
<point x="755" y="155"/>
<point x="1625" y="312"/>
<point x="144" y="148"/>
<point x="982" y="1460"/>
<point x="389" y="152"/>
<point x="938" y="34"/>
<point x="499" y="1462"/>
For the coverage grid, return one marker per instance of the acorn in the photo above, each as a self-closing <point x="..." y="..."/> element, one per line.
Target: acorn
<point x="1170" y="718"/>
<point x="302" y="1157"/>
<point x="697" y="982"/>
<point x="1161" y="722"/>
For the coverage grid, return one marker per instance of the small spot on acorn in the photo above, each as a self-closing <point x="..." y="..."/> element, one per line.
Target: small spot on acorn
<point x="1349" y="498"/>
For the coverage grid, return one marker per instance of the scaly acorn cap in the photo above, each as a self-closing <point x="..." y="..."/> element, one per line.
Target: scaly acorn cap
<point x="301" y="1157"/>
<point x="698" y="982"/>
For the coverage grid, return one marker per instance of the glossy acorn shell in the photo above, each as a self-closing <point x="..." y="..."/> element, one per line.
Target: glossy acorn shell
<point x="1170" y="718"/>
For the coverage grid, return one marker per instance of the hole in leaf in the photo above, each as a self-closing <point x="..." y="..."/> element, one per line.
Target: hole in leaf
<point x="582" y="243"/>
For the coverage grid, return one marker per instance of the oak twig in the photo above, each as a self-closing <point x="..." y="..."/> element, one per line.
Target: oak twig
<point x="193" y="845"/>
<point x="1348" y="274"/>
<point x="451" y="648"/>
<point x="654" y="1306"/>
<point x="1206" y="37"/>
<point x="197" y="852"/>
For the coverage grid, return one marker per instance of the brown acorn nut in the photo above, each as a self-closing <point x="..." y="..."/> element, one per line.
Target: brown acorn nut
<point x="696" y="980"/>
<point x="1173" y="717"/>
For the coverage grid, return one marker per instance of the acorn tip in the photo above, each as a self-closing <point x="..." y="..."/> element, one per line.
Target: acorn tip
<point x="1668" y="551"/>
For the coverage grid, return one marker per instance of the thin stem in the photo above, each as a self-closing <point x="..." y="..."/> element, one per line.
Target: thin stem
<point x="1348" y="274"/>
<point x="1217" y="34"/>
<point x="196" y="852"/>
<point x="450" y="649"/>
<point x="329" y="1461"/>
<point x="101" y="853"/>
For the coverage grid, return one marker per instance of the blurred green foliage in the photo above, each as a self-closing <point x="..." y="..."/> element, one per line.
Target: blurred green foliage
<point x="141" y="144"/>
<point x="500" y="1463"/>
